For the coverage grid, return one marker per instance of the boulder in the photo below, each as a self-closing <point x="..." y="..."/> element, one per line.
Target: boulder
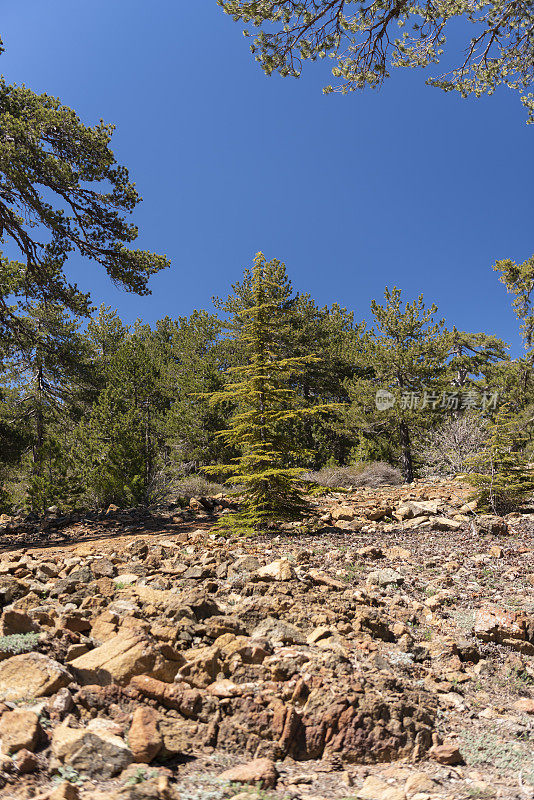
<point x="261" y="772"/>
<point x="445" y="524"/>
<point x="385" y="577"/>
<point x="525" y="705"/>
<point x="180" y="697"/>
<point x="29" y="676"/>
<point x="248" y="650"/>
<point x="26" y="762"/>
<point x="144" y="737"/>
<point x="14" y="621"/>
<point x="93" y="751"/>
<point x="343" y="513"/>
<point x="446" y="753"/>
<point x="375" y="788"/>
<point x="323" y="579"/>
<point x="511" y="628"/>
<point x="183" y="737"/>
<point x="202" y="666"/>
<point x="279" y="570"/>
<point x="118" y="660"/>
<point x="419" y="783"/>
<point x="65" y="791"/>
<point x="276" y="631"/>
<point x="491" y="524"/>
<point x="19" y="730"/>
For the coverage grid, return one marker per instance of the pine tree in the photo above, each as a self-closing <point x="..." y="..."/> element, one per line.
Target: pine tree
<point x="192" y="366"/>
<point x="404" y="357"/>
<point x="261" y="392"/>
<point x="305" y="329"/>
<point x="117" y="443"/>
<point x="501" y="476"/>
<point x="48" y="373"/>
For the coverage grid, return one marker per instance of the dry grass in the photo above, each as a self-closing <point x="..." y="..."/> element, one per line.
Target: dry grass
<point x="376" y="473"/>
<point x="195" y="486"/>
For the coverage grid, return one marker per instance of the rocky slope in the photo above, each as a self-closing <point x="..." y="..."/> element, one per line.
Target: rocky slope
<point x="385" y="653"/>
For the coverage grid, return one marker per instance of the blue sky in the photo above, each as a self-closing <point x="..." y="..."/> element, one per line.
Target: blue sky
<point x="406" y="186"/>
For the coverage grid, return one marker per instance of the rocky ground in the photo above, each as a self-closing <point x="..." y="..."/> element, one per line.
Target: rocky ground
<point x="385" y="653"/>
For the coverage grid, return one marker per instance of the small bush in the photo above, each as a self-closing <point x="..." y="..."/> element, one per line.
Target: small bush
<point x="196" y="486"/>
<point x="448" y="449"/>
<point x="376" y="473"/>
<point x="16" y="643"/>
<point x="485" y="747"/>
<point x="501" y="476"/>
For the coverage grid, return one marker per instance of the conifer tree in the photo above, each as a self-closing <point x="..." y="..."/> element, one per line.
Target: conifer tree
<point x="305" y="329"/>
<point x="117" y="442"/>
<point x="49" y="374"/>
<point x="501" y="476"/>
<point x="194" y="362"/>
<point x="265" y="402"/>
<point x="405" y="357"/>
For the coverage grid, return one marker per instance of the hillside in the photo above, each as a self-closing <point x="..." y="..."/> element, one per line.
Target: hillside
<point x="372" y="659"/>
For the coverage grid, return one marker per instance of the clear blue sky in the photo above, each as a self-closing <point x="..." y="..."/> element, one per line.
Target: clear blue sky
<point x="406" y="186"/>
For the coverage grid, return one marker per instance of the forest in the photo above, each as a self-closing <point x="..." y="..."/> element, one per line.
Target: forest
<point x="98" y="413"/>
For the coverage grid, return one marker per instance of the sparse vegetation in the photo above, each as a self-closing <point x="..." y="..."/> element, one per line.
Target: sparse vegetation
<point x="487" y="747"/>
<point x="374" y="474"/>
<point x="15" y="643"/>
<point x="195" y="486"/>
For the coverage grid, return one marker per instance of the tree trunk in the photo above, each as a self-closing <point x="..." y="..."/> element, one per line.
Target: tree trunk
<point x="406" y="452"/>
<point x="39" y="423"/>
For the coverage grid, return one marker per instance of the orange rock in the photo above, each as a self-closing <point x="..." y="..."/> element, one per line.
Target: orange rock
<point x="144" y="737"/>
<point x="446" y="753"/>
<point x="260" y="771"/>
<point x="525" y="705"/>
<point x="19" y="730"/>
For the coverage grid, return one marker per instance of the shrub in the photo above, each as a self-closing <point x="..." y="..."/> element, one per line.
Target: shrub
<point x="16" y="643"/>
<point x="196" y="486"/>
<point x="376" y="473"/>
<point x="449" y="448"/>
<point x="501" y="476"/>
<point x="489" y="747"/>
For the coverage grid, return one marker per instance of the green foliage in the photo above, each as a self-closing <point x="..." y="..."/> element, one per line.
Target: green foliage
<point x="134" y="414"/>
<point x="519" y="281"/>
<point x="116" y="444"/>
<point x="265" y="404"/>
<point x="140" y="776"/>
<point x="405" y="356"/>
<point x="70" y="775"/>
<point x="194" y="362"/>
<point x="366" y="41"/>
<point x="59" y="177"/>
<point x="501" y="476"/>
<point x="47" y="373"/>
<point x="489" y="747"/>
<point x="16" y="643"/>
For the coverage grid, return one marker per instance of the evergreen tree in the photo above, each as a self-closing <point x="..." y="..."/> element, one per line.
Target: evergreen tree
<point x="472" y="355"/>
<point x="519" y="281"/>
<point x="405" y="357"/>
<point x="266" y="403"/>
<point x="194" y="360"/>
<point x="501" y="476"/>
<point x="366" y="43"/>
<point x="106" y="333"/>
<point x="305" y="329"/>
<point x="60" y="178"/>
<point x="117" y="443"/>
<point x="48" y="375"/>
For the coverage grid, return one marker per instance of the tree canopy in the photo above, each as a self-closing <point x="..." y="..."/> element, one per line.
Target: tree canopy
<point x="367" y="39"/>
<point x="61" y="190"/>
